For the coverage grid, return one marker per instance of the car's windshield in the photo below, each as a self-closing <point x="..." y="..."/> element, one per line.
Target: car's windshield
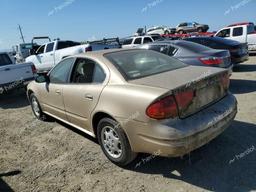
<point x="134" y="64"/>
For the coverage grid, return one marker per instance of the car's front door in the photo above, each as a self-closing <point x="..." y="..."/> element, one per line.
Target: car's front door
<point x="82" y="94"/>
<point x="48" y="57"/>
<point x="52" y="96"/>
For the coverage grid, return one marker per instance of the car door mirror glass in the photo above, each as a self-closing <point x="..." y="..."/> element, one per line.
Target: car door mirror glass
<point x="42" y="78"/>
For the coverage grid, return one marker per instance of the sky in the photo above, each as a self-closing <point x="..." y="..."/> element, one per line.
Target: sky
<point x="81" y="20"/>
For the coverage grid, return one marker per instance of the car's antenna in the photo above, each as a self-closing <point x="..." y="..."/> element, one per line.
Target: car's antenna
<point x="21" y="34"/>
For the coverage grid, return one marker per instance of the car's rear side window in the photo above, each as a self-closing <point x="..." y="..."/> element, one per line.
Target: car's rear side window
<point x="135" y="64"/>
<point x="195" y="47"/>
<point x="5" y="60"/>
<point x="87" y="71"/>
<point x="237" y="31"/>
<point x="66" y="44"/>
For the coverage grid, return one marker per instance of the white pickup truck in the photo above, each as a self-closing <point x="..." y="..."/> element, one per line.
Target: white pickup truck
<point x="13" y="75"/>
<point x="50" y="54"/>
<point x="241" y="32"/>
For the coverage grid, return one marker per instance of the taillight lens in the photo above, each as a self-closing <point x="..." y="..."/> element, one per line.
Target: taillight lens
<point x="225" y="80"/>
<point x="33" y="69"/>
<point x="163" y="108"/>
<point x="211" y="60"/>
<point x="184" y="99"/>
<point x="88" y="49"/>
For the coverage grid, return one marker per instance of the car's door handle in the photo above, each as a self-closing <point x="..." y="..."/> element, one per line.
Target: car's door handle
<point x="7" y="69"/>
<point x="89" y="97"/>
<point x="58" y="92"/>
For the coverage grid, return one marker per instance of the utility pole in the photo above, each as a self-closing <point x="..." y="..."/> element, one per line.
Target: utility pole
<point x="22" y="37"/>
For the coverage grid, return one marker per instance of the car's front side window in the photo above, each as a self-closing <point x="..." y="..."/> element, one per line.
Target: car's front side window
<point x="49" y="47"/>
<point x="224" y="33"/>
<point x="41" y="49"/>
<point x="60" y="73"/>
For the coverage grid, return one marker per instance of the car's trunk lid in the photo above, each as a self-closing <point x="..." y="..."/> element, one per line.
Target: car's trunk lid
<point x="203" y="84"/>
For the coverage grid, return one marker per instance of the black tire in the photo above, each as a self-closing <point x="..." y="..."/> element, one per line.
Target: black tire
<point x="166" y="32"/>
<point x="126" y="155"/>
<point x="181" y="32"/>
<point x="200" y="30"/>
<point x="38" y="113"/>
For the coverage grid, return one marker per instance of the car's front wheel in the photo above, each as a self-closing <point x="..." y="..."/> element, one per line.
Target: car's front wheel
<point x="114" y="142"/>
<point x="36" y="108"/>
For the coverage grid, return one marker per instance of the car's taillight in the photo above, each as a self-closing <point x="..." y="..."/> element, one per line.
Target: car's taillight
<point x="33" y="68"/>
<point x="163" y="108"/>
<point x="225" y="80"/>
<point x="184" y="99"/>
<point x="88" y="49"/>
<point x="211" y="60"/>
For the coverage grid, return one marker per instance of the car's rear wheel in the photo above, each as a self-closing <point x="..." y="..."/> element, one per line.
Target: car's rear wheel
<point x="166" y="32"/>
<point x="114" y="142"/>
<point x="36" y="108"/>
<point x="181" y="32"/>
<point x="200" y="30"/>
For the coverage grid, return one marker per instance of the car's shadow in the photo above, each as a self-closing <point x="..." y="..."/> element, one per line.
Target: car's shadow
<point x="240" y="86"/>
<point x="244" y="68"/>
<point x="225" y="164"/>
<point x="14" y="99"/>
<point x="3" y="185"/>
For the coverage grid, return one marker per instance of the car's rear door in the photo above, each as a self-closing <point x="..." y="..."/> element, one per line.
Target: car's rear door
<point x="239" y="34"/>
<point x="52" y="93"/>
<point x="81" y="96"/>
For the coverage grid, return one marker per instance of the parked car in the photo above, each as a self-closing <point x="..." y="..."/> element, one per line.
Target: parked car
<point x="238" y="51"/>
<point x="49" y="54"/>
<point x="14" y="75"/>
<point x="241" y="32"/>
<point x="192" y="53"/>
<point x="157" y="37"/>
<point x="22" y="51"/>
<point x="136" y="101"/>
<point x="188" y="27"/>
<point x="136" y="40"/>
<point x="161" y="30"/>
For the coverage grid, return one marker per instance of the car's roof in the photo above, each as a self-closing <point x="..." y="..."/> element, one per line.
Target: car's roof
<point x="218" y="40"/>
<point x="102" y="52"/>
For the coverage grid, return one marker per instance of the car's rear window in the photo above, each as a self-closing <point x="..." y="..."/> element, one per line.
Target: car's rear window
<point x="195" y="47"/>
<point x="5" y="60"/>
<point x="135" y="64"/>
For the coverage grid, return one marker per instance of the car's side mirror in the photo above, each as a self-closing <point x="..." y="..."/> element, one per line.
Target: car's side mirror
<point x="42" y="78"/>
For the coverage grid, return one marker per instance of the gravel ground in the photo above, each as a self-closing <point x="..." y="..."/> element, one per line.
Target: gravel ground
<point x="39" y="156"/>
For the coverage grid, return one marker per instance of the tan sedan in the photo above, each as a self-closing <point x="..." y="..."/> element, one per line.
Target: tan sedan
<point x="136" y="101"/>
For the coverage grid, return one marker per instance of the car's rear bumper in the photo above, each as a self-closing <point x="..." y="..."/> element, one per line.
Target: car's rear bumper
<point x="239" y="59"/>
<point x="15" y="84"/>
<point x="181" y="136"/>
